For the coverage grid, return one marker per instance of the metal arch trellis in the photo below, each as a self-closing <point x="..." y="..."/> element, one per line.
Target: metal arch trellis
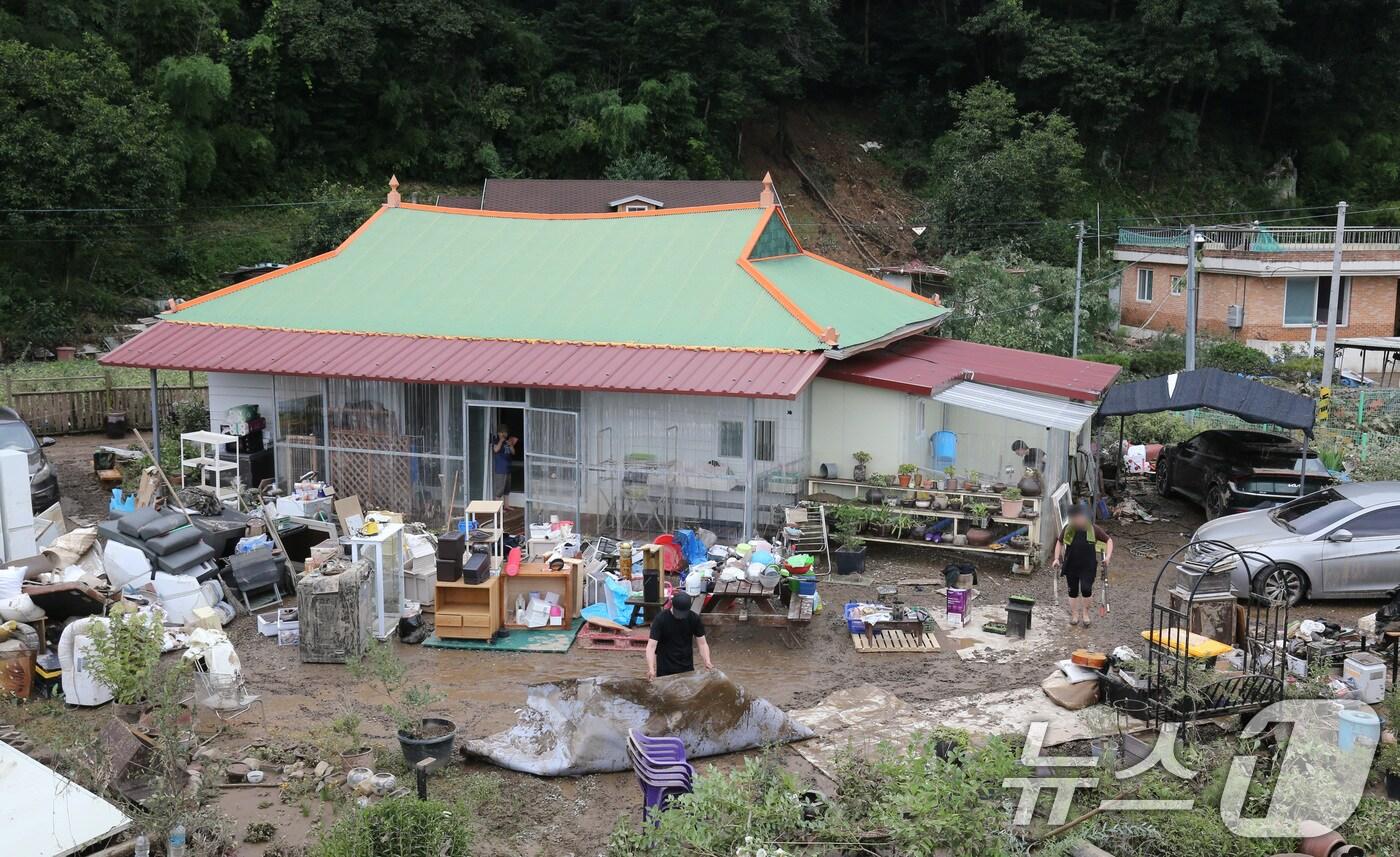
<point x="1180" y="692"/>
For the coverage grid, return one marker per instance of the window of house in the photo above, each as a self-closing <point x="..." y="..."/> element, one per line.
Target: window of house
<point x="1305" y="301"/>
<point x="731" y="439"/>
<point x="1144" y="285"/>
<point x="637" y="208"/>
<point x="1178" y="285"/>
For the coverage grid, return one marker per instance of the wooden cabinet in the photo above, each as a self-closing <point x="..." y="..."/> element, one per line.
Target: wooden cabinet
<point x="468" y="611"/>
<point x="536" y="577"/>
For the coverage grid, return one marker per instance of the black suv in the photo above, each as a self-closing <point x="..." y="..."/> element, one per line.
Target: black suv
<point x="43" y="481"/>
<point x="1236" y="470"/>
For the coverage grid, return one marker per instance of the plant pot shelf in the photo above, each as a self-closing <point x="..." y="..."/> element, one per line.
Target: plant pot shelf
<point x="854" y="491"/>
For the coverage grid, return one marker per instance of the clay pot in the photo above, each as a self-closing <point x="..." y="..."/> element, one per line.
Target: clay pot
<point x="978" y="537"/>
<point x="361" y="758"/>
<point x="1012" y="508"/>
<point x="904" y="480"/>
<point x="960" y="539"/>
<point x="858" y="473"/>
<point x="1030" y="485"/>
<point x="875" y="496"/>
<point x="1325" y="843"/>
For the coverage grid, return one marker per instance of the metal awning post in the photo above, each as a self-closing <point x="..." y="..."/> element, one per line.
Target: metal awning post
<point x="155" y="415"/>
<point x="1303" y="467"/>
<point x="1122" y="459"/>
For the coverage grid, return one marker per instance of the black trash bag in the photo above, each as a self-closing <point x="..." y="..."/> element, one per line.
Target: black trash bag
<point x="412" y="629"/>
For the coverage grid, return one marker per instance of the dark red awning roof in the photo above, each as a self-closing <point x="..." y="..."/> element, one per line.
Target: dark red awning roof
<point x="619" y="368"/>
<point x="924" y="365"/>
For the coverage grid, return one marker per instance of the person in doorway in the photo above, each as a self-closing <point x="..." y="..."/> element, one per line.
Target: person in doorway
<point x="672" y="635"/>
<point x="1082" y="550"/>
<point x="502" y="451"/>
<point x="1030" y="456"/>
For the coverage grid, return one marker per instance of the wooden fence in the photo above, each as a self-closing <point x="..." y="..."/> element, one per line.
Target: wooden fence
<point x="74" y="411"/>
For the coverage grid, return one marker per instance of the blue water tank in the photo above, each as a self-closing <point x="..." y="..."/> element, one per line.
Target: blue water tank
<point x="945" y="449"/>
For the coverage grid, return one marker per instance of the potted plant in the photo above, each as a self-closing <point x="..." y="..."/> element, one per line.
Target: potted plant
<point x="902" y="524"/>
<point x="1134" y="672"/>
<point x="1030" y="483"/>
<point x="951" y="482"/>
<point x="906" y="474"/>
<point x="850" y="556"/>
<point x="1388" y="763"/>
<point x="1012" y="502"/>
<point x="125" y="650"/>
<point x="862" y="458"/>
<point x="974" y="481"/>
<point x="955" y="502"/>
<point x="978" y="516"/>
<point x="875" y="494"/>
<point x="922" y="499"/>
<point x="345" y="735"/>
<point x="420" y="736"/>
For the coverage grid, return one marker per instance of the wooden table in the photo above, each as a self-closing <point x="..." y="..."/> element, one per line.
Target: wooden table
<point x="740" y="602"/>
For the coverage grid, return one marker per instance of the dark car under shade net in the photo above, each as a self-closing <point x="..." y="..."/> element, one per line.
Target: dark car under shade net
<point x="1218" y="390"/>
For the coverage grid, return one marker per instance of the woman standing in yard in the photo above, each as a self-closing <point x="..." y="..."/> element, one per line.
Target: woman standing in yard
<point x="1077" y="553"/>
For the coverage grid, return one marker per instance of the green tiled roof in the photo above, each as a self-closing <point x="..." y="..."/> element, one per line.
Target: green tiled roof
<point x="859" y="309"/>
<point x="666" y="279"/>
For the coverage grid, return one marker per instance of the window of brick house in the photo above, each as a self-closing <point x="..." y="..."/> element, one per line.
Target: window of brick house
<point x="1144" y="285"/>
<point x="1305" y="301"/>
<point x="1178" y="285"/>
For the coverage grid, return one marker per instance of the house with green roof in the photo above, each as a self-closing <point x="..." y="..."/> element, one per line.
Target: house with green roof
<point x="656" y="365"/>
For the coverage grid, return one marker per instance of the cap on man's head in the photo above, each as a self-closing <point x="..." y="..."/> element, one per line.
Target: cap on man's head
<point x="680" y="603"/>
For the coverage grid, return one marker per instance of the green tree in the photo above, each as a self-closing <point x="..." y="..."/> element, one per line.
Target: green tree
<point x="1008" y="300"/>
<point x="998" y="170"/>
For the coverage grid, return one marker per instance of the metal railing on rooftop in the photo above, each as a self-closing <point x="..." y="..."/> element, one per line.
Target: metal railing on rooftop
<point x="1265" y="239"/>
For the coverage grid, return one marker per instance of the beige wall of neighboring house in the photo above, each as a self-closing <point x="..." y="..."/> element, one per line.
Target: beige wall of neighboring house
<point x="1279" y="276"/>
<point x="1370" y="308"/>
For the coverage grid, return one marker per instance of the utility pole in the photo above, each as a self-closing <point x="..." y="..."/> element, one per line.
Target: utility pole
<point x="1330" y="351"/>
<point x="1191" y="298"/>
<point x="1078" y="284"/>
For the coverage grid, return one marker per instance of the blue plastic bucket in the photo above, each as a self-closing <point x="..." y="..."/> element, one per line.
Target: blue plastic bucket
<point x="807" y="584"/>
<point x="1355" y="723"/>
<point x="945" y="449"/>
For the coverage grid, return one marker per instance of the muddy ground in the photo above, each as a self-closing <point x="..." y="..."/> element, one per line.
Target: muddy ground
<point x="518" y="814"/>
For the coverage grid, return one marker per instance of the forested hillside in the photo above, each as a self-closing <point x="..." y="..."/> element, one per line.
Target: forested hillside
<point x="200" y="130"/>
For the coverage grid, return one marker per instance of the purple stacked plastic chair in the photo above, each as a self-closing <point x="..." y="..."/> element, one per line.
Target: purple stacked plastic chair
<point x="661" y="769"/>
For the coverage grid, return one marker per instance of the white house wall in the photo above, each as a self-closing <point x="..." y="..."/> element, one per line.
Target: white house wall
<point x="228" y="389"/>
<point x="847" y="418"/>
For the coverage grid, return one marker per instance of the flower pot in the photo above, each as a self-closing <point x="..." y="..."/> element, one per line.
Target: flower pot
<point x="904" y="480"/>
<point x="978" y="537"/>
<point x="858" y="473"/>
<point x="1392" y="785"/>
<point x="361" y="758"/>
<point x="875" y="496"/>
<point x="1012" y="508"/>
<point x="1029" y="485"/>
<point x="969" y="485"/>
<point x="950" y="484"/>
<point x="848" y="560"/>
<point x="64" y="353"/>
<point x="438" y="734"/>
<point x="960" y="539"/>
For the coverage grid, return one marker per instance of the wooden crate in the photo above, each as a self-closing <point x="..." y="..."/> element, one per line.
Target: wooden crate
<point x="895" y="642"/>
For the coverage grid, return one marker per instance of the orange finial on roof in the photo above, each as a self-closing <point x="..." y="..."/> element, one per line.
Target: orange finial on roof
<point x="393" y="199"/>
<point x="768" y="197"/>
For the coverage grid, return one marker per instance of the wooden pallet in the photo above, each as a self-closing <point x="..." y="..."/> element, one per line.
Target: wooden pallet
<point x="613" y="640"/>
<point x="895" y="642"/>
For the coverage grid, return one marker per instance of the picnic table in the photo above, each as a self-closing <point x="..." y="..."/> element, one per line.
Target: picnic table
<point x="740" y="602"/>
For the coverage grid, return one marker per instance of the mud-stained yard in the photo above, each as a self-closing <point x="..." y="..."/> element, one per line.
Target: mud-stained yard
<point x="520" y="814"/>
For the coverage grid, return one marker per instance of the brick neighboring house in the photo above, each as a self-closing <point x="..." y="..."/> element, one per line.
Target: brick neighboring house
<point x="1261" y="285"/>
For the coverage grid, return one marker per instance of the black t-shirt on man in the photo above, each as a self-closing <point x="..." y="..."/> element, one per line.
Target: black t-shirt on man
<point x="674" y="641"/>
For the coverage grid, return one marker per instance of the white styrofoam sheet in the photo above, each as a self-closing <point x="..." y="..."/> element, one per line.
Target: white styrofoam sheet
<point x="44" y="814"/>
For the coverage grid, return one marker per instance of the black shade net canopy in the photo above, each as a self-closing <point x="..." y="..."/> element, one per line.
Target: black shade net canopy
<point x="1218" y="390"/>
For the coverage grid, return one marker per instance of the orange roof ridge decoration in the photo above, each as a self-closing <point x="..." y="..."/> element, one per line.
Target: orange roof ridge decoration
<point x="826" y="335"/>
<point x="297" y="266"/>
<point x="738" y="349"/>
<point x="592" y="215"/>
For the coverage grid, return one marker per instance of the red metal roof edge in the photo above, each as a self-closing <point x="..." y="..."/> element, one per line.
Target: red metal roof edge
<point x="921" y="366"/>
<point x="611" y="368"/>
